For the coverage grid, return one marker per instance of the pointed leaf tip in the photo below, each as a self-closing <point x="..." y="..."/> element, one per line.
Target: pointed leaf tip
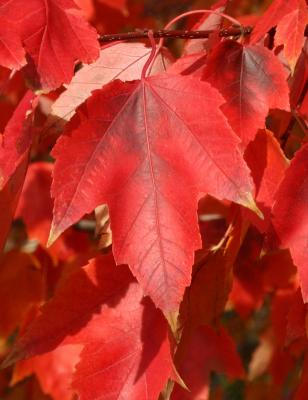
<point x="249" y="202"/>
<point x="172" y="319"/>
<point x="53" y="235"/>
<point x="14" y="356"/>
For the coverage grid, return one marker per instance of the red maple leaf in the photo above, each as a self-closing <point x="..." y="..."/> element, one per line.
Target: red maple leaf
<point x="54" y="370"/>
<point x="35" y="204"/>
<point x="120" y="153"/>
<point x="252" y="81"/>
<point x="54" y="35"/>
<point x="205" y="351"/>
<point x="18" y="270"/>
<point x="290" y="214"/>
<point x="116" y="61"/>
<point x="123" y="356"/>
<point x="14" y="152"/>
<point x="291" y="18"/>
<point x="12" y="54"/>
<point x="268" y="165"/>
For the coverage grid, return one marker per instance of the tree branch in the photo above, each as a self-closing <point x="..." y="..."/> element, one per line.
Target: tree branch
<point x="175" y="34"/>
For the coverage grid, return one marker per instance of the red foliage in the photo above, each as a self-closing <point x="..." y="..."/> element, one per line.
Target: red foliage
<point x="172" y="184"/>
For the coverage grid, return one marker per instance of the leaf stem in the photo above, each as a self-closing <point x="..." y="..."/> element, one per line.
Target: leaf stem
<point x="148" y="64"/>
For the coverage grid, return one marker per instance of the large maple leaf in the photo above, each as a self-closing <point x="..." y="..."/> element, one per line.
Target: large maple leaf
<point x="126" y="352"/>
<point x="148" y="149"/>
<point x="54" y="35"/>
<point x="290" y="214"/>
<point x="252" y="81"/>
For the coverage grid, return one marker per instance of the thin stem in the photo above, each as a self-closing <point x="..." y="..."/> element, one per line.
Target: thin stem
<point x="189" y="13"/>
<point x="204" y="11"/>
<point x="152" y="56"/>
<point x="175" y="34"/>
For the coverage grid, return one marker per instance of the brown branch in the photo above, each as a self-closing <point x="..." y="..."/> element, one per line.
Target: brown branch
<point x="175" y="34"/>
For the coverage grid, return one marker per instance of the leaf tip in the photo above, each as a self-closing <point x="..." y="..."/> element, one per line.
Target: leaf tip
<point x="53" y="235"/>
<point x="14" y="356"/>
<point x="249" y="202"/>
<point x="172" y="319"/>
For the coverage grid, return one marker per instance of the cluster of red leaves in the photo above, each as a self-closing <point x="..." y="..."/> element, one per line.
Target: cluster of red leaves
<point x="163" y="254"/>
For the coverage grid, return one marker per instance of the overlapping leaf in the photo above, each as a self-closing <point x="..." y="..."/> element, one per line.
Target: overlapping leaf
<point x="12" y="54"/>
<point x="126" y="352"/>
<point x="23" y="271"/>
<point x="290" y="32"/>
<point x="35" y="205"/>
<point x="251" y="80"/>
<point x="205" y="351"/>
<point x="268" y="165"/>
<point x="118" y="61"/>
<point x="148" y="149"/>
<point x="14" y="151"/>
<point x="291" y="18"/>
<point x="54" y="371"/>
<point x="290" y="214"/>
<point x="205" y="299"/>
<point x="54" y="35"/>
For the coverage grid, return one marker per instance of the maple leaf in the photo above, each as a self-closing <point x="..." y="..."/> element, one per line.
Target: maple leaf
<point x="205" y="351"/>
<point x="12" y="54"/>
<point x="207" y="295"/>
<point x="142" y="151"/>
<point x="252" y="81"/>
<point x="12" y="89"/>
<point x="248" y="290"/>
<point x="278" y="270"/>
<point x="291" y="18"/>
<point x="268" y="164"/>
<point x="290" y="32"/>
<point x="54" y="35"/>
<point x="54" y="370"/>
<point x="117" y="61"/>
<point x="296" y="319"/>
<point x="18" y="270"/>
<point x="123" y="356"/>
<point x="14" y="151"/>
<point x="35" y="203"/>
<point x="273" y="15"/>
<point x="290" y="214"/>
